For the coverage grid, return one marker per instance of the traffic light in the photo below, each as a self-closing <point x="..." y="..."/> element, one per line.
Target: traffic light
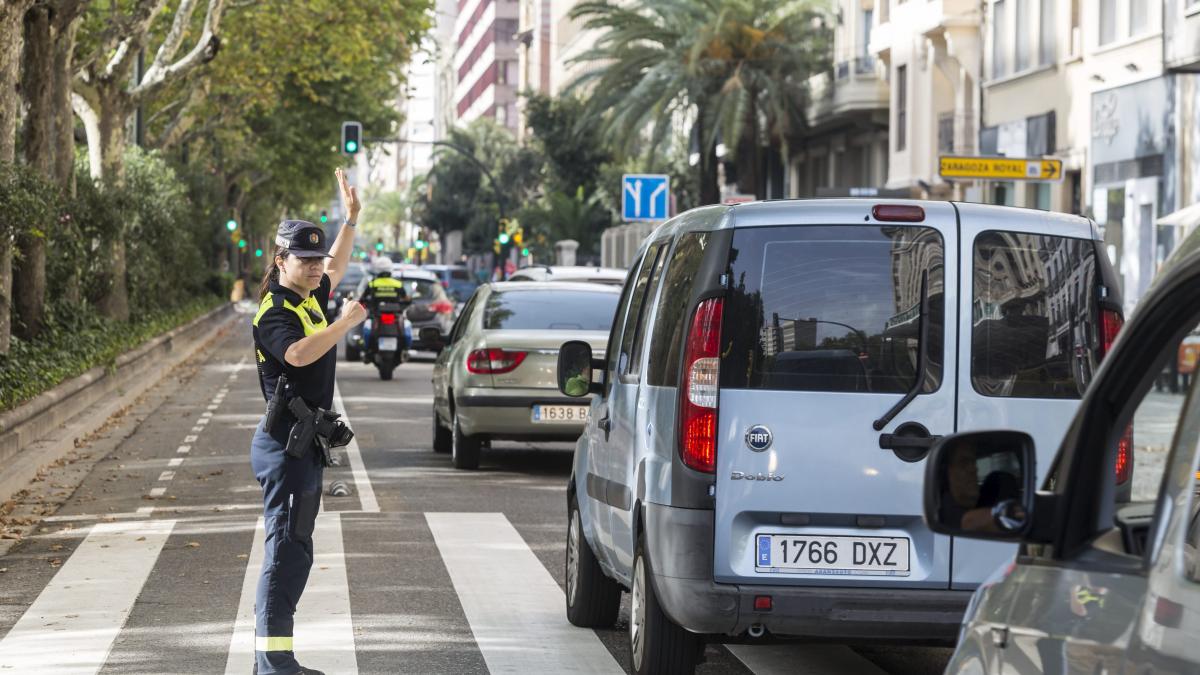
<point x="379" y="245"/>
<point x="525" y="252"/>
<point x="324" y="217"/>
<point x="258" y="253"/>
<point x="241" y="243"/>
<point x="419" y="244"/>
<point x="351" y="138"/>
<point x="231" y="225"/>
<point x="518" y="236"/>
<point x="503" y="238"/>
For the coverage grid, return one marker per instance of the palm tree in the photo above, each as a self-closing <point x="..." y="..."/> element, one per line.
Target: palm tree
<point x="736" y="69"/>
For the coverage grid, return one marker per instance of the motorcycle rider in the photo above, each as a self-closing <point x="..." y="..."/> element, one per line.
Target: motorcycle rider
<point x="383" y="288"/>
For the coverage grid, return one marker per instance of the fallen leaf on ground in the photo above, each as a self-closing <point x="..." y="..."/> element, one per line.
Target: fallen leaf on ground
<point x="193" y="544"/>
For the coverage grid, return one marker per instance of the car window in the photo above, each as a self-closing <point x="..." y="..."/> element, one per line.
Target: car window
<point x="550" y="309"/>
<point x="612" y="353"/>
<point x="1034" y="315"/>
<point x="636" y="303"/>
<point x="635" y="361"/>
<point x="838" y="309"/>
<point x="460" y="325"/>
<point x="666" y="344"/>
<point x="423" y="289"/>
<point x="460" y="275"/>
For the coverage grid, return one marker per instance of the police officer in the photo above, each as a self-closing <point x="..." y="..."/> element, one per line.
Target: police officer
<point x="294" y="337"/>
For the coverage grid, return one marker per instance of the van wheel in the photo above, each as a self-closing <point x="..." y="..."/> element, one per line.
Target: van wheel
<point x="593" y="600"/>
<point x="464" y="449"/>
<point x="656" y="644"/>
<point x="443" y="438"/>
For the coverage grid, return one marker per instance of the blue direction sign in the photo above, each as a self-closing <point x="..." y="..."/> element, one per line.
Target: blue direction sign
<point x="645" y="196"/>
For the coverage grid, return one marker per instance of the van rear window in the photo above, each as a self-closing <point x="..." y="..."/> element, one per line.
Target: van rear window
<point x="1034" y="315"/>
<point x="832" y="308"/>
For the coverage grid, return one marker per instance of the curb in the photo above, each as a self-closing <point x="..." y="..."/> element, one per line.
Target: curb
<point x="68" y="404"/>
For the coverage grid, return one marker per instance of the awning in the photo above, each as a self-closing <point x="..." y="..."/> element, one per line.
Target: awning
<point x="1188" y="216"/>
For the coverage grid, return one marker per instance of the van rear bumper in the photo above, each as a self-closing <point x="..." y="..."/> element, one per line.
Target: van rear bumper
<point x="680" y="548"/>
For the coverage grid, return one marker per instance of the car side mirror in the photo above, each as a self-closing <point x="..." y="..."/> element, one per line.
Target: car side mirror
<point x="432" y="336"/>
<point x="979" y="484"/>
<point x="575" y="369"/>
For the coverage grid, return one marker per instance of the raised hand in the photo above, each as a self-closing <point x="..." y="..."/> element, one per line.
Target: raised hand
<point x="349" y="196"/>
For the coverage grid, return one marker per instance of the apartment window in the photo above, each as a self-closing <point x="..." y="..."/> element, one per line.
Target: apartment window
<point x="1108" y="21"/>
<point x="901" y="107"/>
<point x="999" y="39"/>
<point x="868" y="16"/>
<point x="1037" y="196"/>
<point x="1046" y="55"/>
<point x="1139" y="18"/>
<point x="1024" y="52"/>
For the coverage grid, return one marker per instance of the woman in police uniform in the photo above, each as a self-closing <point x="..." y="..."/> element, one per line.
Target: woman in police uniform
<point x="294" y="337"/>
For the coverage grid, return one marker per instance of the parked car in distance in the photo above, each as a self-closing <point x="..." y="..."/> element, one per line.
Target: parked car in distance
<point x="347" y="287"/>
<point x="430" y="308"/>
<point x="774" y="379"/>
<point x="456" y="279"/>
<point x="1098" y="586"/>
<point x="599" y="275"/>
<point x="495" y="380"/>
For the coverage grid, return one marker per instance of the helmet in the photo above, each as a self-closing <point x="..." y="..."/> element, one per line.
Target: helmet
<point x="381" y="264"/>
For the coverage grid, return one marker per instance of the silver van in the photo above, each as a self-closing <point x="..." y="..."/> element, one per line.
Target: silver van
<point x="775" y="377"/>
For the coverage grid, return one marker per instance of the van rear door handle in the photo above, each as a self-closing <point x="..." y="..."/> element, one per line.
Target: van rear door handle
<point x="893" y="442"/>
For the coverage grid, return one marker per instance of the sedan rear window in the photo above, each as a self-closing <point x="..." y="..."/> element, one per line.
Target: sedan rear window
<point x="833" y="308"/>
<point x="1034" y="315"/>
<point x="550" y="310"/>
<point x="423" y="289"/>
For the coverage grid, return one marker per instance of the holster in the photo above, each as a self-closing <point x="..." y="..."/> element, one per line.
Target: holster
<point x="315" y="428"/>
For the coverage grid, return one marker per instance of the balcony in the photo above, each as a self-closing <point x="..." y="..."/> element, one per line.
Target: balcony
<point x="850" y="86"/>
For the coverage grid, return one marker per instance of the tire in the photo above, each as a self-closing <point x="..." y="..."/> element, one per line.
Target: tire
<point x="656" y="644"/>
<point x="385" y="364"/>
<point x="443" y="438"/>
<point x="593" y="600"/>
<point x="464" y="449"/>
<point x="353" y="353"/>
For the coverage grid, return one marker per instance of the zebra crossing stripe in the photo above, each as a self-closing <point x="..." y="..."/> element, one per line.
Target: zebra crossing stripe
<point x="324" y="632"/>
<point x="71" y="625"/>
<point x="508" y="596"/>
<point x="366" y="493"/>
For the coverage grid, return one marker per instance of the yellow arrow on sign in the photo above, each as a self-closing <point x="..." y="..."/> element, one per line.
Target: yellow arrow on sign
<point x="1000" y="168"/>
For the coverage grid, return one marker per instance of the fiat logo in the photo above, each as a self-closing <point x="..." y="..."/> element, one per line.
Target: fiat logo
<point x="758" y="438"/>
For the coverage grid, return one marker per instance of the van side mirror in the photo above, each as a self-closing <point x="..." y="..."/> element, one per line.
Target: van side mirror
<point x="575" y="369"/>
<point x="432" y="336"/>
<point x="979" y="484"/>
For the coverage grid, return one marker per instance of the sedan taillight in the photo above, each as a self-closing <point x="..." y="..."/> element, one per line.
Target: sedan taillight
<point x="494" y="361"/>
<point x="441" y="307"/>
<point x="698" y="402"/>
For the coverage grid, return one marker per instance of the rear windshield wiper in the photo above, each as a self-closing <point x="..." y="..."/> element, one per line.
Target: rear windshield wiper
<point x="923" y="339"/>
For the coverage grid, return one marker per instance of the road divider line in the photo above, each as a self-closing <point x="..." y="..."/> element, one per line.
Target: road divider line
<point x="71" y="626"/>
<point x="324" y="630"/>
<point x="514" y="606"/>
<point x="184" y="449"/>
<point x="362" y="481"/>
<point x="158" y="492"/>
<point x="166" y="475"/>
<point x="145" y="510"/>
<point x="191" y="438"/>
<point x="175" y="461"/>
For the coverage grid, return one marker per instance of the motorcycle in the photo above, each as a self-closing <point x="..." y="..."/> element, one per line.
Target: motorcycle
<point x="386" y="337"/>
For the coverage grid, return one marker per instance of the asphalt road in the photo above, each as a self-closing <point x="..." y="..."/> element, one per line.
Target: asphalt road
<point x="149" y="564"/>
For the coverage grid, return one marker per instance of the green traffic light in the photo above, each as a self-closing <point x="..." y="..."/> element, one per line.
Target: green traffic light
<point x="241" y="243"/>
<point x="351" y="146"/>
<point x="419" y="245"/>
<point x="258" y="253"/>
<point x="231" y="225"/>
<point x="324" y="218"/>
<point x="525" y="251"/>
<point x="379" y="246"/>
<point x="504" y="238"/>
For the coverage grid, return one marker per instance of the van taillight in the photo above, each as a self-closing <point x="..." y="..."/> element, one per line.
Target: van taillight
<point x="898" y="213"/>
<point x="1110" y="325"/>
<point x="698" y="404"/>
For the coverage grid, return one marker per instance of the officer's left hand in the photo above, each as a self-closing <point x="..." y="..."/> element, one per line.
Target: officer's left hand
<point x="349" y="196"/>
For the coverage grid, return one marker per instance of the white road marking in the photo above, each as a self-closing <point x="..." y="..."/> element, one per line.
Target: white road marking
<point x="71" y="626"/>
<point x="175" y="461"/>
<point x="202" y="421"/>
<point x="366" y="493"/>
<point x="212" y="407"/>
<point x="206" y="414"/>
<point x="805" y="659"/>
<point x="184" y="449"/>
<point x="196" y="430"/>
<point x="158" y="491"/>
<point x="424" y="400"/>
<point x="190" y="438"/>
<point x="145" y="510"/>
<point x="324" y="632"/>
<point x="508" y="596"/>
<point x="166" y="475"/>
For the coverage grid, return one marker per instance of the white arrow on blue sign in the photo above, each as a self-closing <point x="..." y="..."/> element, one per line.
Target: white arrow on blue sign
<point x="645" y="196"/>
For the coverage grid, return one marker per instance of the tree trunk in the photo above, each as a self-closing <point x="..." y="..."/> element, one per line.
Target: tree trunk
<point x="710" y="190"/>
<point x="64" y="131"/>
<point x="29" y="277"/>
<point x="114" y="111"/>
<point x="11" y="14"/>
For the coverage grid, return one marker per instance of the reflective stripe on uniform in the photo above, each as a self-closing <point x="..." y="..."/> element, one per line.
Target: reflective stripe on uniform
<point x="305" y="310"/>
<point x="386" y="287"/>
<point x="273" y="644"/>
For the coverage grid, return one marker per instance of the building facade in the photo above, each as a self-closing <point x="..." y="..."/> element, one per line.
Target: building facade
<point x="486" y="67"/>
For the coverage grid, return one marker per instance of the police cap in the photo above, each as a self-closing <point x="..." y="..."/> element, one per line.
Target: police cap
<point x="302" y="239"/>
